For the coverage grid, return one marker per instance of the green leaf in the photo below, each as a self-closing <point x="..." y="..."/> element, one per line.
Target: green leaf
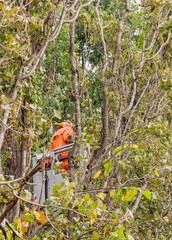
<point x="147" y="194"/>
<point x="108" y="168"/>
<point x="95" y="236"/>
<point x="28" y="217"/>
<point x="117" y="149"/>
<point x="31" y="133"/>
<point x="129" y="237"/>
<point x="132" y="194"/>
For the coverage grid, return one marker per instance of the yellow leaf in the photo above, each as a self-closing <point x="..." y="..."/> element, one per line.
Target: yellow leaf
<point x="92" y="221"/>
<point x="166" y="219"/>
<point x="9" y="234"/>
<point x="127" y="194"/>
<point x="37" y="215"/>
<point x="112" y="192"/>
<point x="1" y="6"/>
<point x="151" y="91"/>
<point x="101" y="195"/>
<point x="8" y="74"/>
<point x="14" y="9"/>
<point x="86" y="197"/>
<point x="95" y="236"/>
<point x="93" y="214"/>
<point x="156" y="172"/>
<point x="135" y="146"/>
<point x="97" y="174"/>
<point x="42" y="217"/>
<point x="47" y="234"/>
<point x="19" y="225"/>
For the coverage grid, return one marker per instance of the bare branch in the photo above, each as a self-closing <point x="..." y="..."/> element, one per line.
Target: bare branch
<point x="4" y="231"/>
<point x="162" y="46"/>
<point x="132" y="99"/>
<point x="13" y="230"/>
<point x="72" y="6"/>
<point x="136" y="106"/>
<point x="12" y="181"/>
<point x="78" y="11"/>
<point x="152" y="42"/>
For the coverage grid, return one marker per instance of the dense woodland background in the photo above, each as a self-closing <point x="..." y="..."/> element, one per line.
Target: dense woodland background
<point x="107" y="67"/>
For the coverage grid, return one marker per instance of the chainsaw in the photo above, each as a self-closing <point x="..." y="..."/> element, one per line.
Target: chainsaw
<point x="55" y="153"/>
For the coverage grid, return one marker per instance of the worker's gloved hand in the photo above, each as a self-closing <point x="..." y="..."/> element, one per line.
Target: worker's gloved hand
<point x="60" y="157"/>
<point x="71" y="138"/>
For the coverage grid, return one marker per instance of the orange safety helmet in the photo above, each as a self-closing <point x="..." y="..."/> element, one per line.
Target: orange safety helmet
<point x="65" y="124"/>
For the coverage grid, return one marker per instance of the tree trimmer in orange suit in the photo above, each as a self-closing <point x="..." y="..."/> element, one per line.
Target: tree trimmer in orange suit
<point x="61" y="144"/>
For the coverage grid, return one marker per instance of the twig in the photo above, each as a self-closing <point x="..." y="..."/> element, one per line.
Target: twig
<point x="12" y="181"/>
<point x="13" y="230"/>
<point x="4" y="231"/>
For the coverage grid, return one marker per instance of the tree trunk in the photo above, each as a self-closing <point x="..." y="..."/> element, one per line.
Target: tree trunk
<point x="75" y="86"/>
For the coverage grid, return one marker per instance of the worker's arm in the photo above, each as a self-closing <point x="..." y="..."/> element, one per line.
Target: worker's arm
<point x="68" y="135"/>
<point x="71" y="138"/>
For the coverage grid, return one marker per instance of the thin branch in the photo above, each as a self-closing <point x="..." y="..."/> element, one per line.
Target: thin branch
<point x="50" y="221"/>
<point x="4" y="231"/>
<point x="72" y="6"/>
<point x="136" y="106"/>
<point x="152" y="42"/>
<point x="13" y="230"/>
<point x="12" y="181"/>
<point x="77" y="13"/>
<point x="43" y="225"/>
<point x="132" y="99"/>
<point x="162" y="46"/>
<point x="130" y="213"/>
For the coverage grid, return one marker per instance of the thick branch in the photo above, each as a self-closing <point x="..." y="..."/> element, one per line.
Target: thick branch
<point x="105" y="118"/>
<point x="75" y="83"/>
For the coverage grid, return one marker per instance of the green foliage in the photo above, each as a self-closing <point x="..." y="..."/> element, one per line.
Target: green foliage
<point x="107" y="200"/>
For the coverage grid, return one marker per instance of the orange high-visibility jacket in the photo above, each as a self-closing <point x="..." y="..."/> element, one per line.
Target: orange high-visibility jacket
<point x="60" y="139"/>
